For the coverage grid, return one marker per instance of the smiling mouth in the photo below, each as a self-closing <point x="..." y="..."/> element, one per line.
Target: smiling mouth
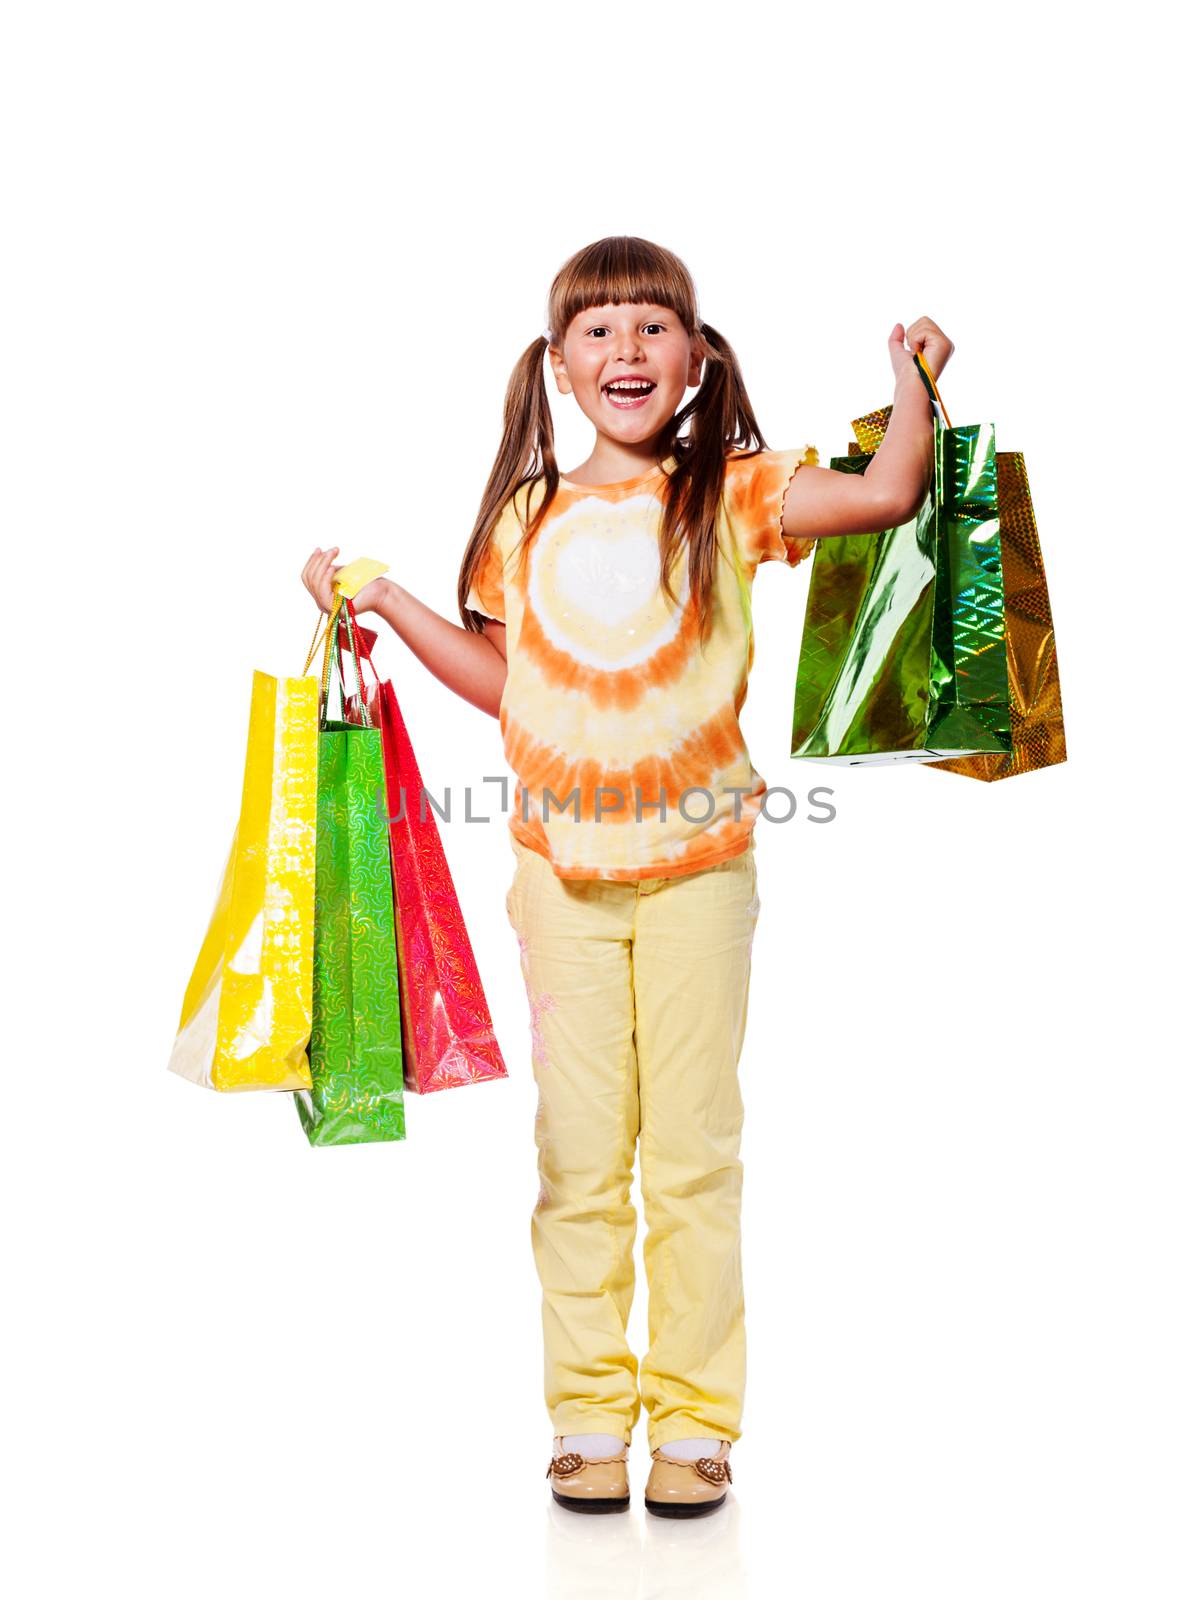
<point x="628" y="394"/>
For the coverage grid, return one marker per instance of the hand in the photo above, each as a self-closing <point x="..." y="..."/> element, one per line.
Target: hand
<point x="922" y="335"/>
<point x="318" y="577"/>
<point x="370" y="596"/>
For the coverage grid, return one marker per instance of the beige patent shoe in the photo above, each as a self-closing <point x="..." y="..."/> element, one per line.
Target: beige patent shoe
<point x="688" y="1488"/>
<point x="589" y="1483"/>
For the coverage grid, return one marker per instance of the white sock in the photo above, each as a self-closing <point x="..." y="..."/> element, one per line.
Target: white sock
<point x="593" y="1444"/>
<point x="692" y="1449"/>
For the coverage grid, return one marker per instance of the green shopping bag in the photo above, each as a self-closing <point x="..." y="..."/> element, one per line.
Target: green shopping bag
<point x="903" y="652"/>
<point x="355" y="1053"/>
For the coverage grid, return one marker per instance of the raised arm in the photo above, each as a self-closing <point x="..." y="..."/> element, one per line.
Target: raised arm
<point x="821" y="502"/>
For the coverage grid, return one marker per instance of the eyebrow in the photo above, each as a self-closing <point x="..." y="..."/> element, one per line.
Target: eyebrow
<point x="656" y="311"/>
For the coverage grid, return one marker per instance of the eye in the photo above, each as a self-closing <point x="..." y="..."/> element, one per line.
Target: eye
<point x="661" y="326"/>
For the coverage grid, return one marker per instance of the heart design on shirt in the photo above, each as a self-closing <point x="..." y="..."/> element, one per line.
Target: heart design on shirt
<point x="595" y="584"/>
<point x="610" y="580"/>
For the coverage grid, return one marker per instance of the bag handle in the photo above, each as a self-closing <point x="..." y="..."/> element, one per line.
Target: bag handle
<point x="326" y="624"/>
<point x="929" y="383"/>
<point x="313" y="644"/>
<point x="363" y="651"/>
<point x="336" y="652"/>
<point x="336" y="623"/>
<point x="349" y="624"/>
<point x="330" y="652"/>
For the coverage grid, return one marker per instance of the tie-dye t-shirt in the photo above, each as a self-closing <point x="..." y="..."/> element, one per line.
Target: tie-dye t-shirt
<point x="622" y="732"/>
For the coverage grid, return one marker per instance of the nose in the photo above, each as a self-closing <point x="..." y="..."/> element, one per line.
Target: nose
<point x="629" y="346"/>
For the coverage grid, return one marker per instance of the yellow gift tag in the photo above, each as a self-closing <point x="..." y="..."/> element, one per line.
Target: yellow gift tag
<point x="356" y="575"/>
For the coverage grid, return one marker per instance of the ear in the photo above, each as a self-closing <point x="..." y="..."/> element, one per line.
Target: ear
<point x="696" y="359"/>
<point x="558" y="369"/>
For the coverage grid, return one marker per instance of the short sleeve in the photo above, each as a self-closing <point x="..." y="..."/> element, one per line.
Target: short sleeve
<point x="755" y="488"/>
<point x="487" y="593"/>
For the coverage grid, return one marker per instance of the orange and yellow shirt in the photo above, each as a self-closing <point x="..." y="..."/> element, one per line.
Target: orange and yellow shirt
<point x="623" y="732"/>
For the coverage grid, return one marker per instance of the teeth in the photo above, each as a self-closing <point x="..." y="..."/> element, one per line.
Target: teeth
<point x="633" y="386"/>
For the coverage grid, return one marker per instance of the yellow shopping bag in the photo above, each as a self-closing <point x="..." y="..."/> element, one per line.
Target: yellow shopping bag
<point x="248" y="1010"/>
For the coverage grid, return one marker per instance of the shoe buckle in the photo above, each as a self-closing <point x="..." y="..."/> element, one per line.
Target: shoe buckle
<point x="564" y="1466"/>
<point x="713" y="1470"/>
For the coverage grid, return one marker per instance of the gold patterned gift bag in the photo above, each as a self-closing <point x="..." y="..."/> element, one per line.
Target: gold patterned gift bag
<point x="1034" y="683"/>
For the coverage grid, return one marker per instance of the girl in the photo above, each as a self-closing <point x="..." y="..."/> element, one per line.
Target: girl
<point x="607" y="623"/>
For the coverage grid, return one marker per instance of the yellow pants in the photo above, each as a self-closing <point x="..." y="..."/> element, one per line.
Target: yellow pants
<point x="638" y="1000"/>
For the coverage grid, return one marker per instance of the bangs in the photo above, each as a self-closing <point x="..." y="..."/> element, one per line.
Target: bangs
<point x="622" y="271"/>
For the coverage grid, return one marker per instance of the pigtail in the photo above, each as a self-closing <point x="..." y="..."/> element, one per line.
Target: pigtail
<point x="526" y="453"/>
<point x="720" y="420"/>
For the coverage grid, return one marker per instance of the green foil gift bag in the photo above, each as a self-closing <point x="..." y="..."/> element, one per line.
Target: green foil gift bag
<point x="355" y="1053"/>
<point x="903" y="652"/>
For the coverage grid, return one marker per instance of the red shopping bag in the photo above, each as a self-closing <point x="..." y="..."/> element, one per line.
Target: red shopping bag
<point x="447" y="1030"/>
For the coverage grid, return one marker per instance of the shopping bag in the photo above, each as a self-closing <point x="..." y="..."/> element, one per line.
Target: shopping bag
<point x="903" y="653"/>
<point x="1034" y="682"/>
<point x="447" y="1028"/>
<point x="355" y="1056"/>
<point x="246" y="1016"/>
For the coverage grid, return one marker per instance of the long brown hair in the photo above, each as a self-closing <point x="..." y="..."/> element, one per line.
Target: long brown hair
<point x="623" y="270"/>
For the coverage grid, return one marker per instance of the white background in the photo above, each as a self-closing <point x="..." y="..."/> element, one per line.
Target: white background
<point x="266" y="271"/>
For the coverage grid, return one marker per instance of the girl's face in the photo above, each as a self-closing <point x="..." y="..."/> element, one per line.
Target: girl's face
<point x="628" y="367"/>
